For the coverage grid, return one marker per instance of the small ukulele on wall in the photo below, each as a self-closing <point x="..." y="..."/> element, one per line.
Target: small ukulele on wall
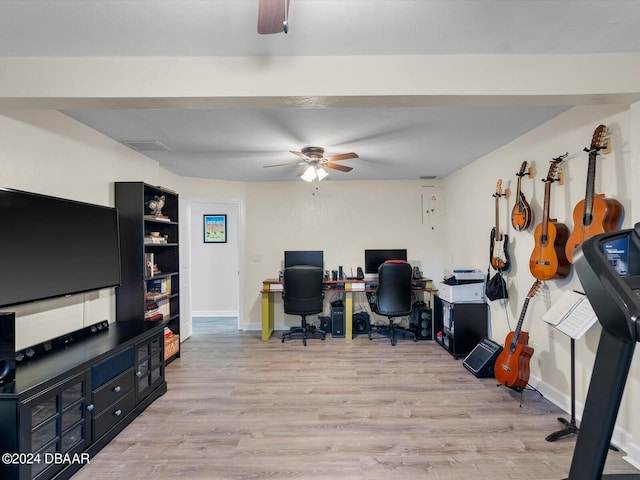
<point x="548" y="259"/>
<point x="512" y="365"/>
<point x="498" y="248"/>
<point x="595" y="214"/>
<point x="522" y="214"/>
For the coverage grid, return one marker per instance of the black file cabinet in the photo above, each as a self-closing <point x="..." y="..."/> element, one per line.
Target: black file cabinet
<point x="460" y="326"/>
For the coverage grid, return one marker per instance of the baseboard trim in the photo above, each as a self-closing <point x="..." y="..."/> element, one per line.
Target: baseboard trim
<point x="620" y="438"/>
<point x="214" y="313"/>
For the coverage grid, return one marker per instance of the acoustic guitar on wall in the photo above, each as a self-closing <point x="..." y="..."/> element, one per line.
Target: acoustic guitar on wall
<point x="548" y="259"/>
<point x="512" y="365"/>
<point x="595" y="214"/>
<point x="498" y="246"/>
<point x="522" y="214"/>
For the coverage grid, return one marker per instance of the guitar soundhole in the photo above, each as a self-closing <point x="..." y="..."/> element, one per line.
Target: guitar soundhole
<point x="544" y="239"/>
<point x="587" y="219"/>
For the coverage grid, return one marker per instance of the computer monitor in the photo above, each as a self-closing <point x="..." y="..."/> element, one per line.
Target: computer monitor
<point x="374" y="258"/>
<point x="304" y="257"/>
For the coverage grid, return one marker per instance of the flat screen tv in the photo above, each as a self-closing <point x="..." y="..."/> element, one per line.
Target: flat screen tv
<point x="304" y="257"/>
<point x="374" y="258"/>
<point x="52" y="247"/>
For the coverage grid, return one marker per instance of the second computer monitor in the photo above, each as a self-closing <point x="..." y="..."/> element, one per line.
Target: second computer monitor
<point x="374" y="258"/>
<point x="304" y="257"/>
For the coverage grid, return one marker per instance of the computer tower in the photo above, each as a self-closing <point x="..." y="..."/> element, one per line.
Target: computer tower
<point x="337" y="321"/>
<point x="7" y="348"/>
<point x="421" y="321"/>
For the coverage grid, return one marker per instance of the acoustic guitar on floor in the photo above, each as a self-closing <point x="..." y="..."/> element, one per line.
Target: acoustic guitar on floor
<point x="498" y="246"/>
<point x="522" y="214"/>
<point x="595" y="214"/>
<point x="548" y="259"/>
<point x="512" y="365"/>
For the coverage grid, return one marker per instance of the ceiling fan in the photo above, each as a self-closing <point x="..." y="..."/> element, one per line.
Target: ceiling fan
<point x="315" y="162"/>
<point x="273" y="16"/>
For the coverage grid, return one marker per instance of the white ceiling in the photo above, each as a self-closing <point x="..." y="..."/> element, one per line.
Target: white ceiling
<point x="393" y="143"/>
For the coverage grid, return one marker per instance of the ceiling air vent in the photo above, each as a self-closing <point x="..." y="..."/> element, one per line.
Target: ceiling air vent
<point x="428" y="177"/>
<point x="146" y="145"/>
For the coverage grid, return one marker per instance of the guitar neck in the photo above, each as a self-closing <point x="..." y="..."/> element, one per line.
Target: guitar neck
<point x="498" y="235"/>
<point x="516" y="333"/>
<point x="545" y="210"/>
<point x="519" y="199"/>
<point x="588" y="196"/>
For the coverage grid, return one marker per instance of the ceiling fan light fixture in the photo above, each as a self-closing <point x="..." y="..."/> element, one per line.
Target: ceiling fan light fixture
<point x="321" y="173"/>
<point x="309" y="174"/>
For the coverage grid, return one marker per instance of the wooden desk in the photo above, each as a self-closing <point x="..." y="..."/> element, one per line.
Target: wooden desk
<point x="273" y="286"/>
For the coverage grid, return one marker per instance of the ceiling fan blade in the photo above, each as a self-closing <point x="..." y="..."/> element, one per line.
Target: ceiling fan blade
<point x="336" y="166"/>
<point x="284" y="164"/>
<point x="272" y="15"/>
<point x="299" y="154"/>
<point x="342" y="156"/>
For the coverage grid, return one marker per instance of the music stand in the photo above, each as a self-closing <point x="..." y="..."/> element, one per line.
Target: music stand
<point x="573" y="316"/>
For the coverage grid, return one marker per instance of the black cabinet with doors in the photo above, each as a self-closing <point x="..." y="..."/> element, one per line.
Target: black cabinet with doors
<point x="66" y="405"/>
<point x="460" y="326"/>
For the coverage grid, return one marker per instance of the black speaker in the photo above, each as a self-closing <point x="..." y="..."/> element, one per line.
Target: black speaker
<point x="7" y="348"/>
<point x="337" y="321"/>
<point x="482" y="358"/>
<point x="361" y="323"/>
<point x="325" y="324"/>
<point x="421" y="321"/>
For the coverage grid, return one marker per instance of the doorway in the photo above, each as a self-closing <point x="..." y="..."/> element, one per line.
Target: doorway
<point x="214" y="268"/>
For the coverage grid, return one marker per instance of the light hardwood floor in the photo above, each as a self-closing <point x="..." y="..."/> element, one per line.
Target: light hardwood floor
<point x="238" y="408"/>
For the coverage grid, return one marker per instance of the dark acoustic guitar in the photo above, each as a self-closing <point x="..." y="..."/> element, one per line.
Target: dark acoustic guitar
<point x="521" y="214"/>
<point x="512" y="365"/>
<point x="498" y="246"/>
<point x="548" y="259"/>
<point x="595" y="214"/>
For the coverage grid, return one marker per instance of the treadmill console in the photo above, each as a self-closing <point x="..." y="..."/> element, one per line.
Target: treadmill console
<point x="608" y="266"/>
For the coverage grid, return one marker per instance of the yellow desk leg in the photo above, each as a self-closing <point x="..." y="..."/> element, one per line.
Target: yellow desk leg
<point x="348" y="312"/>
<point x="267" y="313"/>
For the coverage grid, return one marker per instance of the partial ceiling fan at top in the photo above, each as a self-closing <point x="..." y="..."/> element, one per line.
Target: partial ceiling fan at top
<point x="273" y="16"/>
<point x="315" y="162"/>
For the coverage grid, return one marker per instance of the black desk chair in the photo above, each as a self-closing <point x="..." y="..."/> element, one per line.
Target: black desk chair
<point x="393" y="297"/>
<point x="302" y="295"/>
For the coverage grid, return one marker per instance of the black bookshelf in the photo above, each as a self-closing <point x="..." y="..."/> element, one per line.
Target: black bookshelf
<point x="149" y="252"/>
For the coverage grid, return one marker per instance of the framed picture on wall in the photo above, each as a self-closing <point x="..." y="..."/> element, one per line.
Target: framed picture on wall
<point x="215" y="228"/>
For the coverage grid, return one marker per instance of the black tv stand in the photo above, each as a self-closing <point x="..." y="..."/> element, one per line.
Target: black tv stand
<point x="76" y="399"/>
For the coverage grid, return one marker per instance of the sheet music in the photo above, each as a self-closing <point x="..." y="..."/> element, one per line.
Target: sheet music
<point x="572" y="314"/>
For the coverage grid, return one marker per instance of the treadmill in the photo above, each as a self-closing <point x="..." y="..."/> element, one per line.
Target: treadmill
<point x="608" y="266"/>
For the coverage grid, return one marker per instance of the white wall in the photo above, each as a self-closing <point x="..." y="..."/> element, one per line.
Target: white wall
<point x="46" y="152"/>
<point x="569" y="132"/>
<point x="341" y="218"/>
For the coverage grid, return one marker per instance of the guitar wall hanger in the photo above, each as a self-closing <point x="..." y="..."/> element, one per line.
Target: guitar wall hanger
<point x="504" y="193"/>
<point x="559" y="177"/>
